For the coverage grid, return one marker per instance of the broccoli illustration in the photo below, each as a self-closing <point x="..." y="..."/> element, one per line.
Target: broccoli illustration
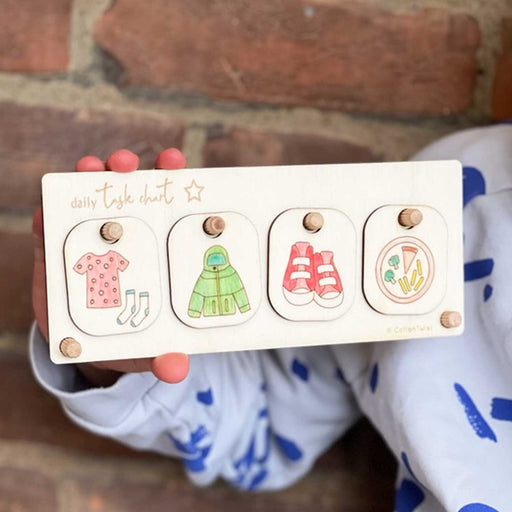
<point x="394" y="261"/>
<point x="389" y="276"/>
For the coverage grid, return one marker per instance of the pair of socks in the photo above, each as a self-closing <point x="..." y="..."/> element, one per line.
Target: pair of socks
<point x="135" y="315"/>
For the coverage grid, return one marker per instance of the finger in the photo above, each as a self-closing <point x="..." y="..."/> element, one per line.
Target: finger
<point x="122" y="160"/>
<point x="89" y="164"/>
<point x="170" y="158"/>
<point x="171" y="368"/>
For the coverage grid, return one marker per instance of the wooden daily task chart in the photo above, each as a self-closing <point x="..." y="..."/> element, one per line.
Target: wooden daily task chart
<point x="215" y="260"/>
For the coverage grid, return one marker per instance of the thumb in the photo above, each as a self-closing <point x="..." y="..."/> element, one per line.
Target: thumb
<point x="37" y="234"/>
<point x="171" y="368"/>
<point x="39" y="276"/>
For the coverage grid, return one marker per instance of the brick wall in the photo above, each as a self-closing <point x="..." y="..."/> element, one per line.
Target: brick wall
<point x="233" y="82"/>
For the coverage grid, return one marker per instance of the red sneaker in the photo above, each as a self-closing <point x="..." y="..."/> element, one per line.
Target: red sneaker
<point x="299" y="278"/>
<point x="328" y="287"/>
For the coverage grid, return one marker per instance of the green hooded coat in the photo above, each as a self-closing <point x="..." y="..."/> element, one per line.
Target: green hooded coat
<point x="218" y="287"/>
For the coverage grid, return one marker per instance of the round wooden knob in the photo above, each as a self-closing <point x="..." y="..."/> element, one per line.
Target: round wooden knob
<point x="313" y="221"/>
<point x="69" y="347"/>
<point x="111" y="232"/>
<point x="410" y="217"/>
<point x="214" y="226"/>
<point x="450" y="319"/>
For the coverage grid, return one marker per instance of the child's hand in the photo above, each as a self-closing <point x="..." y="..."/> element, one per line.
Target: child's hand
<point x="172" y="367"/>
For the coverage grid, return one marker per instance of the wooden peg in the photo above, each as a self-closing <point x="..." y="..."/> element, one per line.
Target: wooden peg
<point x="69" y="347"/>
<point x="214" y="226"/>
<point x="410" y="217"/>
<point x="450" y="319"/>
<point x="313" y="221"/>
<point x="111" y="232"/>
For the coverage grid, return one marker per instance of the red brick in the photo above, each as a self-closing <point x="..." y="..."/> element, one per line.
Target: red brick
<point x="241" y="147"/>
<point x="31" y="414"/>
<point x="15" y="280"/>
<point x="502" y="93"/>
<point x="26" y="490"/>
<point x="34" y="35"/>
<point x="334" y="55"/>
<point x="36" y="140"/>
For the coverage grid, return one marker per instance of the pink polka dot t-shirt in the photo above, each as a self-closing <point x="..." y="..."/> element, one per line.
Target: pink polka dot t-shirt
<point x="103" y="290"/>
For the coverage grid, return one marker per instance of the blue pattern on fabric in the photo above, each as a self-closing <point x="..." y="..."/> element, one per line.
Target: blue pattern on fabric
<point x="256" y="481"/>
<point x="407" y="465"/>
<point x="501" y="409"/>
<point x="289" y="448"/>
<point x="477" y="507"/>
<point x="300" y="369"/>
<point x="374" y="377"/>
<point x="478" y="269"/>
<point x="244" y="463"/>
<point x="205" y="397"/>
<point x="475" y="419"/>
<point x="194" y="451"/>
<point x="408" y="496"/>
<point x="473" y="186"/>
<point x="473" y="183"/>
<point x="251" y="468"/>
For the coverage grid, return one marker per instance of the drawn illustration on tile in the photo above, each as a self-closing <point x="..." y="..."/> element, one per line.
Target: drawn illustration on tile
<point x="136" y="315"/>
<point x="218" y="290"/>
<point x="405" y="269"/>
<point x="312" y="276"/>
<point x="102" y="279"/>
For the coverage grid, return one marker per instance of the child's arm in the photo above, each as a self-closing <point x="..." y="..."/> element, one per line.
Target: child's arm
<point x="257" y="419"/>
